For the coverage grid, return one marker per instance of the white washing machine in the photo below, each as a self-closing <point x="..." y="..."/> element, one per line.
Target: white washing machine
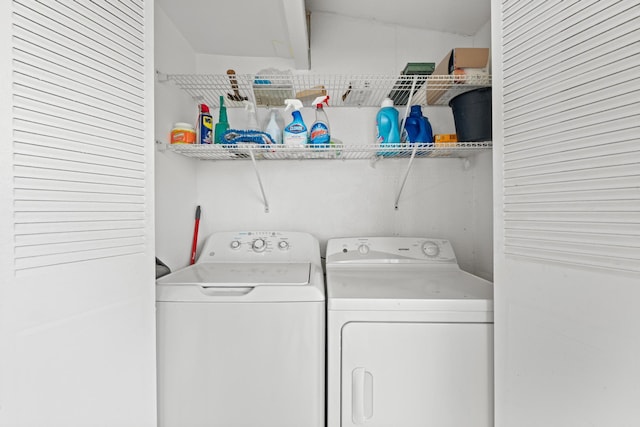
<point x="409" y="336"/>
<point x="241" y="339"/>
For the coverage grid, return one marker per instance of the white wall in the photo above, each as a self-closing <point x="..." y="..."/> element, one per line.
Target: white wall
<point x="483" y="37"/>
<point x="347" y="45"/>
<point x="350" y="198"/>
<point x="175" y="175"/>
<point x="483" y="192"/>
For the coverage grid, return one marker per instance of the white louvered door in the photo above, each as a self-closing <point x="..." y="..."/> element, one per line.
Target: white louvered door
<point x="77" y="337"/>
<point x="567" y="207"/>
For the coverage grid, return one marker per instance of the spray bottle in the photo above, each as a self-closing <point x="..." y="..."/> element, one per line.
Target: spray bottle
<point x="320" y="134"/>
<point x="205" y="125"/>
<point x="223" y="123"/>
<point x="295" y="133"/>
<point x="273" y="127"/>
<point x="252" y="118"/>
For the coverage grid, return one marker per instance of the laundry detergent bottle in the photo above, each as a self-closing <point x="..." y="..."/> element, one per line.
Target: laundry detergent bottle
<point x="295" y="133"/>
<point x="320" y="134"/>
<point x="387" y="128"/>
<point x="417" y="127"/>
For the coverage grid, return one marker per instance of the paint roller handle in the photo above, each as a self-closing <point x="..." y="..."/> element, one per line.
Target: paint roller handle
<point x="195" y="236"/>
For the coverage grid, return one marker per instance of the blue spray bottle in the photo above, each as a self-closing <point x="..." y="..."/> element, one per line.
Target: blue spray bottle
<point x="320" y="134"/>
<point x="295" y="133"/>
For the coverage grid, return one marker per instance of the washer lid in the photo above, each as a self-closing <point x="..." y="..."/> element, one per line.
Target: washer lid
<point x="240" y="274"/>
<point x="408" y="289"/>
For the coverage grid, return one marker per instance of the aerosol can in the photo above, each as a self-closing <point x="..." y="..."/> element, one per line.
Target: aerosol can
<point x="205" y="126"/>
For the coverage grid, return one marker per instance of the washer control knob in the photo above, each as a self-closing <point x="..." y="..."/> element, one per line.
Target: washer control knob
<point x="430" y="249"/>
<point x="259" y="245"/>
<point x="235" y="244"/>
<point x="363" y="249"/>
<point x="283" y="244"/>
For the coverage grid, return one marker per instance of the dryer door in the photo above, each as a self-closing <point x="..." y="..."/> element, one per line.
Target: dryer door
<point x="417" y="374"/>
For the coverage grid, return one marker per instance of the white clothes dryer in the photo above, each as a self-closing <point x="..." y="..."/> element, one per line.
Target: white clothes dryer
<point x="241" y="334"/>
<point x="409" y="336"/>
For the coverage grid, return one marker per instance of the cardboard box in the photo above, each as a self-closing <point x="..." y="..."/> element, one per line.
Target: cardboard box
<point x="307" y="96"/>
<point x="445" y="138"/>
<point x="460" y="58"/>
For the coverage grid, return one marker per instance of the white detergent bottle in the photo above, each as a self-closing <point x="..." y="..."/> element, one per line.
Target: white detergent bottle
<point x="319" y="134"/>
<point x="273" y="128"/>
<point x="252" y="118"/>
<point x="295" y="133"/>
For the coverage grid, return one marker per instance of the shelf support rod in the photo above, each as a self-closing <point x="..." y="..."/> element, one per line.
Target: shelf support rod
<point x="255" y="168"/>
<point x="406" y="174"/>
<point x="415" y="147"/>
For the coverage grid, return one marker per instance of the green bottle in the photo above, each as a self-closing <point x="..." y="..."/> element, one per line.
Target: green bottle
<point x="223" y="123"/>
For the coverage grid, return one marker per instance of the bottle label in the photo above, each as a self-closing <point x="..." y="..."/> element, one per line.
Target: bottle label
<point x="296" y="128"/>
<point x="206" y="127"/>
<point x="319" y="134"/>
<point x="295" y="139"/>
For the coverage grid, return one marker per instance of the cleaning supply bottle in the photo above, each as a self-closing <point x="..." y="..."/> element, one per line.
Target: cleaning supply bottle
<point x="428" y="131"/>
<point x="417" y="127"/>
<point x="223" y="123"/>
<point x="205" y="125"/>
<point x="273" y="127"/>
<point x="252" y="118"/>
<point x="388" y="132"/>
<point x="295" y="133"/>
<point x="319" y="134"/>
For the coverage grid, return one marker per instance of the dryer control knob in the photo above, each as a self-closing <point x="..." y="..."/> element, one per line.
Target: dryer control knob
<point x="259" y="245"/>
<point x="430" y="249"/>
<point x="235" y="244"/>
<point x="363" y="249"/>
<point x="284" y="245"/>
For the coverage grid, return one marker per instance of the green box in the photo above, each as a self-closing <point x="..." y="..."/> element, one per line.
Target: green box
<point x="402" y="88"/>
<point x="424" y="68"/>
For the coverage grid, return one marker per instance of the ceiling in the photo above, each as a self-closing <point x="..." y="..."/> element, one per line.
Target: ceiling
<point x="277" y="28"/>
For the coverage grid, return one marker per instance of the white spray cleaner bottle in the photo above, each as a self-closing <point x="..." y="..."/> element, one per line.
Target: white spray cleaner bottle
<point x="252" y="118"/>
<point x="295" y="133"/>
<point x="273" y="128"/>
<point x="320" y="134"/>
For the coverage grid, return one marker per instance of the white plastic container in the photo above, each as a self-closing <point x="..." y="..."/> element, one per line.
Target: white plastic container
<point x="273" y="128"/>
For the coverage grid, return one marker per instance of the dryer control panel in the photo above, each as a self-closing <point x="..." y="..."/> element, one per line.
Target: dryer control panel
<point x="381" y="250"/>
<point x="260" y="246"/>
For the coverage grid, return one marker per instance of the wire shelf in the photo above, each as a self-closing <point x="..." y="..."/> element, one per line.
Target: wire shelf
<point x="366" y="90"/>
<point x="345" y="152"/>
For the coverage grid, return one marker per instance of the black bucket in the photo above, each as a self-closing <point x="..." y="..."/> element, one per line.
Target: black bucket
<point x="472" y="115"/>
